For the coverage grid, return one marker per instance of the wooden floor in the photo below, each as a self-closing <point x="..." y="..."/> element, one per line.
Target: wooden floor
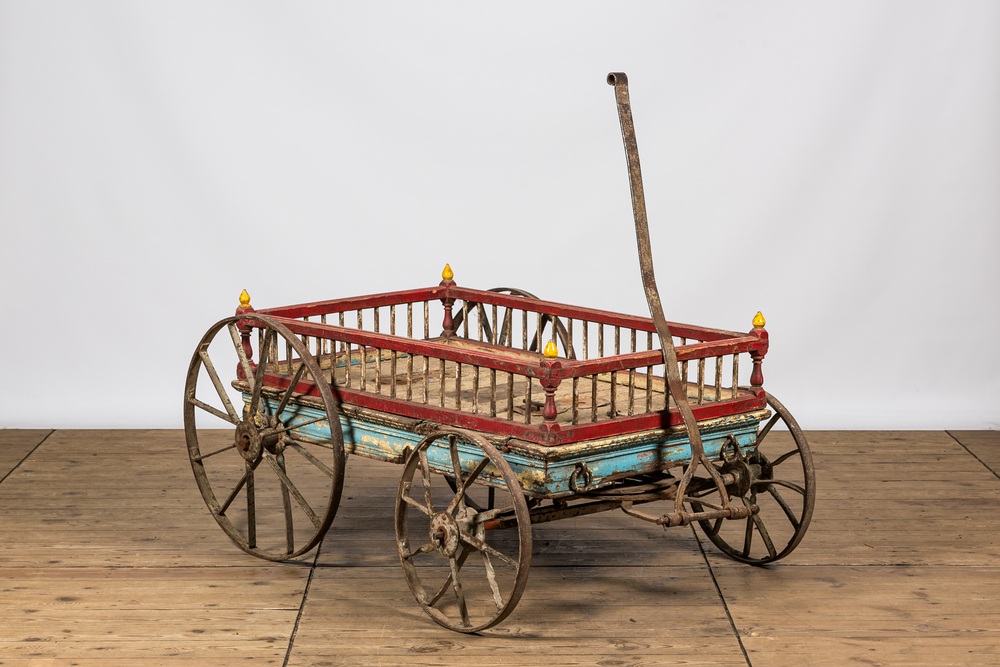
<point x="109" y="557"/>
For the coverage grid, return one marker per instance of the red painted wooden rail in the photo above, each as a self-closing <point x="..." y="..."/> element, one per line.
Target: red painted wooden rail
<point x="534" y="366"/>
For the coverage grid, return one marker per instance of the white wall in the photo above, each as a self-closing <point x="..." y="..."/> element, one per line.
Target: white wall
<point x="835" y="165"/>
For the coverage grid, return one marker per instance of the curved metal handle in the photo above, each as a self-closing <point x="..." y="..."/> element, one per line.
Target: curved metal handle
<point x="677" y="389"/>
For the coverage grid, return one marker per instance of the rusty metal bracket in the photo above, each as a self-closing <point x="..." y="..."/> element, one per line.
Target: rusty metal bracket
<point x="677" y="389"/>
<point x="684" y="518"/>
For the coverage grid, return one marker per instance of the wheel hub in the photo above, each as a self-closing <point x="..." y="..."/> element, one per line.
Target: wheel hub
<point x="254" y="435"/>
<point x="249" y="442"/>
<point x="743" y="475"/>
<point x="444" y="533"/>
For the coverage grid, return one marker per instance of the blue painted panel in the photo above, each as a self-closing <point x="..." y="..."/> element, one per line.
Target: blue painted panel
<point x="543" y="471"/>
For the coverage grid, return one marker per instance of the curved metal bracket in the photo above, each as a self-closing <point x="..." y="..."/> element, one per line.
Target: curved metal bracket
<point x="677" y="389"/>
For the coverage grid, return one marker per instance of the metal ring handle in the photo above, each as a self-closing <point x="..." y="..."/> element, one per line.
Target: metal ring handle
<point x="581" y="470"/>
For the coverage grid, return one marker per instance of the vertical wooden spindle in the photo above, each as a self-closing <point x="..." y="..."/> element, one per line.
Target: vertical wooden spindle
<point x="718" y="378"/>
<point x="701" y="381"/>
<point x="736" y="374"/>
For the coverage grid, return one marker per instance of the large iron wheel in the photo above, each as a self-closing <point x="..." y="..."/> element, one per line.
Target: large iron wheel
<point x="271" y="469"/>
<point x="778" y="476"/>
<point x="467" y="568"/>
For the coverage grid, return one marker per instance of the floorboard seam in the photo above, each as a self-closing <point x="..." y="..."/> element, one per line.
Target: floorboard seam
<point x="302" y="606"/>
<point x="27" y="455"/>
<point x="718" y="589"/>
<point x="995" y="474"/>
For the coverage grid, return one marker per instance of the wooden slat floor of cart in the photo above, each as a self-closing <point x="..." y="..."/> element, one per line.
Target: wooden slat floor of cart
<point x="108" y="557"/>
<point x="481" y="392"/>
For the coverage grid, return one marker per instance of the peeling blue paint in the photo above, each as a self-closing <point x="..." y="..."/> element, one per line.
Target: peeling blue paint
<point x="542" y="471"/>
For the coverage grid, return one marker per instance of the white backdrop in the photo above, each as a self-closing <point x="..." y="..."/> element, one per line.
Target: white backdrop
<point x="835" y="165"/>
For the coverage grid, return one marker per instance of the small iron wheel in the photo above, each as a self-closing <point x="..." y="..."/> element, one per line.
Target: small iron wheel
<point x="466" y="567"/>
<point x="778" y="476"/>
<point x="270" y="468"/>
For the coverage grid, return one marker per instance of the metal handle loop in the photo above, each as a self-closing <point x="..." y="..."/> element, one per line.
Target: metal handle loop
<point x="580" y="471"/>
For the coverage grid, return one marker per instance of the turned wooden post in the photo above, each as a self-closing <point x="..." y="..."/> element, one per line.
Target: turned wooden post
<point x="550" y="384"/>
<point x="449" y="324"/>
<point x="757" y="376"/>
<point x="244" y="326"/>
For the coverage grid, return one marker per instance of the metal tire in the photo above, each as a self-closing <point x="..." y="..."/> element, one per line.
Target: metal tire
<point x="457" y="531"/>
<point x="251" y="428"/>
<point x="797" y="514"/>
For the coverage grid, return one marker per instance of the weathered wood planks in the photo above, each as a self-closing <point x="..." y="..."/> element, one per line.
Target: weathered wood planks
<point x="109" y="558"/>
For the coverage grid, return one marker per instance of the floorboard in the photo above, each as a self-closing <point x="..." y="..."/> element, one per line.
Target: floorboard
<point x="984" y="445"/>
<point x="110" y="558"/>
<point x="16" y="445"/>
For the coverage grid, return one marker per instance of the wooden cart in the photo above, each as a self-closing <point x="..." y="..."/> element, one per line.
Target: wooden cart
<point x="512" y="411"/>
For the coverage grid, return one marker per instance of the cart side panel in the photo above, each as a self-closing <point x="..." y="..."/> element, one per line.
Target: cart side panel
<point x="591" y="470"/>
<point x="542" y="471"/>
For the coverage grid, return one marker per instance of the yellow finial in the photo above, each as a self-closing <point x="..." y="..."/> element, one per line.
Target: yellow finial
<point x="244" y="299"/>
<point x="759" y="321"/>
<point x="551" y="351"/>
<point x="447" y="274"/>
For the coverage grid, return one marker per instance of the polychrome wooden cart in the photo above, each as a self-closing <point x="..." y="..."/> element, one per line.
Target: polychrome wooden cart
<point x="513" y="411"/>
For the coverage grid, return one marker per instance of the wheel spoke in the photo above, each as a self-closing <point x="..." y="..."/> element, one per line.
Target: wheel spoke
<point x="430" y="546"/>
<point x="784" y="506"/>
<point x="258" y="378"/>
<point x="251" y="508"/>
<point x="293" y="427"/>
<point x="295" y="492"/>
<point x="456" y="464"/>
<point x="213" y="411"/>
<point x="236" y="490"/>
<point x="464" y="485"/>
<point x="425" y="470"/>
<point x="410" y="501"/>
<point x="778" y="461"/>
<point x="286" y="503"/>
<point x="244" y="362"/>
<point x="217" y="451"/>
<point x="480" y="545"/>
<point x="219" y="387"/>
<point x="748" y="538"/>
<point x="780" y="482"/>
<point x="232" y="496"/>
<point x="767" y="429"/>
<point x="288" y="392"/>
<point x="492" y="577"/>
<point x="762" y="529"/>
<point x="462" y="557"/>
<point x="476" y="472"/>
<point x="457" y="584"/>
<point x="312" y="459"/>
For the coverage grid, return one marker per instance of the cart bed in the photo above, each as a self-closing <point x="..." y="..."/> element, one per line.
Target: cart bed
<point x="604" y="377"/>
